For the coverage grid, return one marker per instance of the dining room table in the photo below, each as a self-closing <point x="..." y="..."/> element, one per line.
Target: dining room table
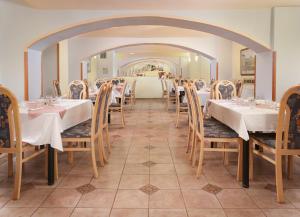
<point x="43" y="121"/>
<point x="245" y="117"/>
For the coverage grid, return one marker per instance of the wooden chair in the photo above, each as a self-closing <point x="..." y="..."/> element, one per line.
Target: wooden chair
<point x="11" y="138"/>
<point x="192" y="124"/>
<point x="181" y="107"/>
<point x="131" y="96"/>
<point x="164" y="90"/>
<point x="77" y="90"/>
<point x="86" y="82"/>
<point x="225" y="90"/>
<point x="213" y="89"/>
<point x="89" y="131"/>
<point x="200" y="84"/>
<point x="239" y="87"/>
<point x="56" y="88"/>
<point x="210" y="130"/>
<point x="99" y="82"/>
<point x="284" y="143"/>
<point x="119" y="106"/>
<point x="170" y="95"/>
<point x="105" y="117"/>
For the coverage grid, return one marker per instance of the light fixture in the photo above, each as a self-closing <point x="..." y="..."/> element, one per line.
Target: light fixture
<point x="189" y="59"/>
<point x="95" y="57"/>
<point x="196" y="58"/>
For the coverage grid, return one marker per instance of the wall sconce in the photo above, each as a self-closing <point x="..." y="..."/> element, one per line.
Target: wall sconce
<point x="189" y="59"/>
<point x="196" y="58"/>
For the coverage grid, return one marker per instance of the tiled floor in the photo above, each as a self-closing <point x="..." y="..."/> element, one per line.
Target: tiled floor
<point x="148" y="174"/>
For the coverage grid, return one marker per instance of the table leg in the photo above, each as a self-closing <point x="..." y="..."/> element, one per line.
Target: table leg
<point x="246" y="164"/>
<point x="50" y="165"/>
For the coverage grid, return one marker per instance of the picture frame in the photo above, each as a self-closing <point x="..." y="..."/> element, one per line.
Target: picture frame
<point x="247" y="62"/>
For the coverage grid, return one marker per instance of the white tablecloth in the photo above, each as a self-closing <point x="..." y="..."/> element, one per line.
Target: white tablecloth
<point x="242" y="118"/>
<point x="47" y="128"/>
<point x="204" y="95"/>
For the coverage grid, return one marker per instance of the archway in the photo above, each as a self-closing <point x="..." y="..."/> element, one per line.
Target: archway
<point x="265" y="58"/>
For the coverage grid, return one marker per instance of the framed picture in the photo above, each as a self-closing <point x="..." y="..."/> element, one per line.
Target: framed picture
<point x="248" y="62"/>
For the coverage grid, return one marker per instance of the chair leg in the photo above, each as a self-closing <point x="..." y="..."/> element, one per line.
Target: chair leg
<point x="107" y="139"/>
<point x="46" y="162"/>
<point x="201" y="156"/>
<point x="194" y="156"/>
<point x="290" y="166"/>
<point x="240" y="163"/>
<point x="225" y="155"/>
<point x="279" y="181"/>
<point x="18" y="177"/>
<point x="188" y="140"/>
<point x="10" y="165"/>
<point x="194" y="143"/>
<point x="251" y="146"/>
<point x="177" y="117"/>
<point x="100" y="150"/>
<point x="70" y="157"/>
<point x="94" y="163"/>
<point x="123" y="118"/>
<point x="55" y="164"/>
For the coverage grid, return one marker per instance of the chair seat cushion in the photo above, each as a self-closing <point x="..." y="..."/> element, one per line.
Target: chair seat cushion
<point x="268" y="139"/>
<point x="82" y="130"/>
<point x="215" y="129"/>
<point x="115" y="105"/>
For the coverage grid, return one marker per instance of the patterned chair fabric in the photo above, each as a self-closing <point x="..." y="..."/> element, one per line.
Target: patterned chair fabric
<point x="106" y="104"/>
<point x="200" y="84"/>
<point x="82" y="130"/>
<point x="99" y="83"/>
<point x="268" y="139"/>
<point x="239" y="86"/>
<point x="225" y="89"/>
<point x="4" y="123"/>
<point x="215" y="129"/>
<point x="293" y="103"/>
<point x="76" y="91"/>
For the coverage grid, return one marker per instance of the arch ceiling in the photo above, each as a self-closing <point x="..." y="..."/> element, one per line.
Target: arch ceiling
<point x="154" y="47"/>
<point x="85" y="27"/>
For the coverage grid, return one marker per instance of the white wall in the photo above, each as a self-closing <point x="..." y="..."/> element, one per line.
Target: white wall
<point x="34" y="74"/>
<point x="287" y="44"/>
<point x="199" y="68"/>
<point x="20" y="25"/>
<point x="49" y="69"/>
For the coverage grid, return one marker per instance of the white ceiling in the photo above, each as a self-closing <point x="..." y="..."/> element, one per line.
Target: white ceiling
<point x="150" y="50"/>
<point x="156" y="4"/>
<point x="144" y="31"/>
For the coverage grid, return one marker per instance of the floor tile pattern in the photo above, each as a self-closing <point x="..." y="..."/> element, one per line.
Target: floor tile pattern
<point x="148" y="175"/>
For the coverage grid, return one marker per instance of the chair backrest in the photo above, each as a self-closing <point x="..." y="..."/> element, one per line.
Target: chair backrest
<point x="225" y="90"/>
<point x="86" y="82"/>
<point x="177" y="94"/>
<point x="123" y="93"/>
<point x="288" y="128"/>
<point x="239" y="87"/>
<point x="56" y="88"/>
<point x="107" y="102"/>
<point x="189" y="103"/>
<point x="77" y="90"/>
<point x="98" y="111"/>
<point x="213" y="89"/>
<point x="10" y="130"/>
<point x="165" y="85"/>
<point x="197" y="111"/>
<point x="99" y="82"/>
<point x="200" y="84"/>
